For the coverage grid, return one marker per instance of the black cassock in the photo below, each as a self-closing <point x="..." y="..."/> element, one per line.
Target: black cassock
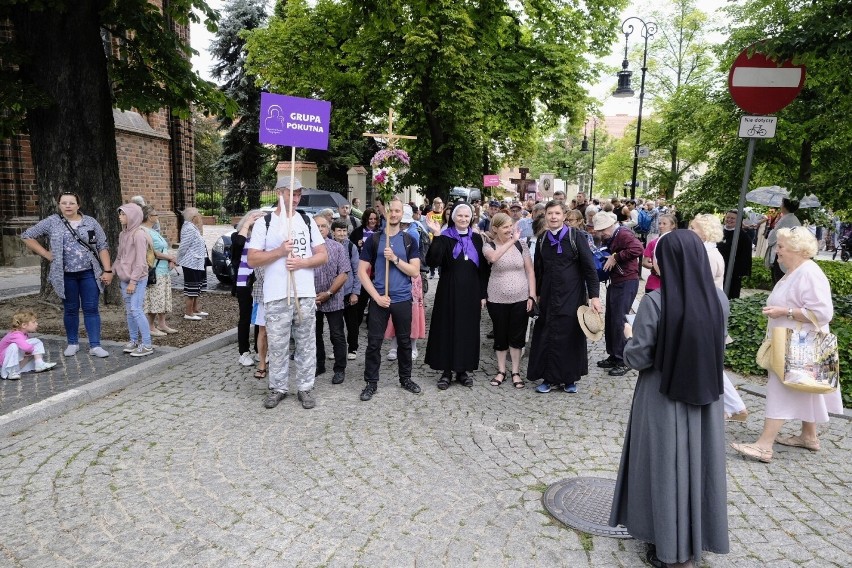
<point x="558" y="351"/>
<point x="453" y="343"/>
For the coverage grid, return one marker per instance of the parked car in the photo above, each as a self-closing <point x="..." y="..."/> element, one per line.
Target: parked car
<point x="466" y="194"/>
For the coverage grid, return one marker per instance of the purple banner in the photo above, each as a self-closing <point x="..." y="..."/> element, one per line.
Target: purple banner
<point x="293" y="121"/>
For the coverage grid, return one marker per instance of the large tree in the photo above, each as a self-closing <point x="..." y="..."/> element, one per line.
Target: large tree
<point x="470" y="80"/>
<point x="66" y="67"/>
<point x="243" y="156"/>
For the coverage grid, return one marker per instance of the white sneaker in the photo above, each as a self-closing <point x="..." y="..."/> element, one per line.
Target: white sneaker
<point x="414" y="353"/>
<point x="202" y="314"/>
<point x="71" y="350"/>
<point x="392" y="355"/>
<point x="98" y="352"/>
<point x="330" y="356"/>
<point x="130" y="347"/>
<point x="193" y="317"/>
<point x="43" y="366"/>
<point x="142" y="350"/>
<point x="246" y="360"/>
<point x="13" y="376"/>
<point x="351" y="355"/>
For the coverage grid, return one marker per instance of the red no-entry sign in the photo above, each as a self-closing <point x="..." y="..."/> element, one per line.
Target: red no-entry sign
<point x="760" y="85"/>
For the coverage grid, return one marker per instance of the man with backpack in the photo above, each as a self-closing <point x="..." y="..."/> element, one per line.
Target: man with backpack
<point x="352" y="287"/>
<point x="403" y="256"/>
<point x="643" y="224"/>
<point x="289" y="246"/>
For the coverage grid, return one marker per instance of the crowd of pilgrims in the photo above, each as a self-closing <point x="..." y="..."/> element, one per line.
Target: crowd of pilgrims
<point x="537" y="268"/>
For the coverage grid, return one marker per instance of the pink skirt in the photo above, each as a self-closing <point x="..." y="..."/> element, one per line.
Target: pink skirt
<point x="418" y="312"/>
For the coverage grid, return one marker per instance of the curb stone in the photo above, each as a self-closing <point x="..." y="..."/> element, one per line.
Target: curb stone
<point x="23" y="418"/>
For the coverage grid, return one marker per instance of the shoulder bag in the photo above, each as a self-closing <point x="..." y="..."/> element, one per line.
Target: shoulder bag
<point x="806" y="361"/>
<point x="76" y="235"/>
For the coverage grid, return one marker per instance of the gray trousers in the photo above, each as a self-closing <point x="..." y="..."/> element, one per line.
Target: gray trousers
<point x="281" y="321"/>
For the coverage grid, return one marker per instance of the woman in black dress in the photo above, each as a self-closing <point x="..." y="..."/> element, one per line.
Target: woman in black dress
<point x="453" y="343"/>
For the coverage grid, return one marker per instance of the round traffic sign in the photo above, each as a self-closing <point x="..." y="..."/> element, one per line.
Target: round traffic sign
<point x="760" y="85"/>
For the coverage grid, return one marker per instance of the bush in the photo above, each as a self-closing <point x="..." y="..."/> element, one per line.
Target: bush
<point x="839" y="275"/>
<point x="747" y="327"/>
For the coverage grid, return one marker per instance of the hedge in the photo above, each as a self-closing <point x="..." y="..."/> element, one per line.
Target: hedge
<point x="747" y="327"/>
<point x="839" y="274"/>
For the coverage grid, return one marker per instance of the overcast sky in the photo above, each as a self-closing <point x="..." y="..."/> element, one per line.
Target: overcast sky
<point x="202" y="62"/>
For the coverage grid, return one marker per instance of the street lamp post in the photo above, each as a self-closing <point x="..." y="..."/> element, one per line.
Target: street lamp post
<point x="584" y="147"/>
<point x="623" y="90"/>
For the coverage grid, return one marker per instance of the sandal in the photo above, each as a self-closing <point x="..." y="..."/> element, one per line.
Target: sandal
<point x="260" y="374"/>
<point x="444" y="382"/>
<point x="798" y="442"/>
<point x="753" y="451"/>
<point x="519" y="384"/>
<point x="495" y="382"/>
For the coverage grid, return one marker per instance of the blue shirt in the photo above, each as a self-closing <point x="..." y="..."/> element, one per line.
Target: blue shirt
<point x="399" y="282"/>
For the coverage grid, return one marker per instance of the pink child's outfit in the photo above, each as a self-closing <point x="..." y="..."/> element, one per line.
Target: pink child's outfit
<point x="18" y="347"/>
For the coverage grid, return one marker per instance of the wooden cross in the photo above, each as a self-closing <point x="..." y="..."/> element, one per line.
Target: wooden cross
<point x="391" y="137"/>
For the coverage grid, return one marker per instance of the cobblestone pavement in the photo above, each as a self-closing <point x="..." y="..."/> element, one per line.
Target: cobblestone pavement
<point x="186" y="468"/>
<point x="69" y="372"/>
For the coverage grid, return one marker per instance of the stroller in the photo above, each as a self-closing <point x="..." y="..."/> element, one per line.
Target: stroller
<point x="844" y="242"/>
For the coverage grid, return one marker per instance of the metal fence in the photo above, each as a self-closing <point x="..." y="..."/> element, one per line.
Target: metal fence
<point x="225" y="201"/>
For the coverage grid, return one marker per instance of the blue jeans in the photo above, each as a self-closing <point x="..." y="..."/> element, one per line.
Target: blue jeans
<point x="81" y="288"/>
<point x="136" y="321"/>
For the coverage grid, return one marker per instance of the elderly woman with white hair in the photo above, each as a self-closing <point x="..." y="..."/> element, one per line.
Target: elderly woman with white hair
<point x="709" y="229"/>
<point x="453" y="343"/>
<point x="802" y="292"/>
<point x="192" y="257"/>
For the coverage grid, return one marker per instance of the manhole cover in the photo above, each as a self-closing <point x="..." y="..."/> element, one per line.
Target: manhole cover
<point x="584" y="503"/>
<point x="508" y="427"/>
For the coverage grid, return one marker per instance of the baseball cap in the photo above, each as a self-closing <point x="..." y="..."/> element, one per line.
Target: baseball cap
<point x="494" y="203"/>
<point x="284" y="183"/>
<point x="515" y="204"/>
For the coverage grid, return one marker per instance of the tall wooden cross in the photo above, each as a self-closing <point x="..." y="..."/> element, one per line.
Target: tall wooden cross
<point x="391" y="137"/>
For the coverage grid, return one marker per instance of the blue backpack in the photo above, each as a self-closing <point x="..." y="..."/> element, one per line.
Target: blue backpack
<point x="643" y="225"/>
<point x="601" y="255"/>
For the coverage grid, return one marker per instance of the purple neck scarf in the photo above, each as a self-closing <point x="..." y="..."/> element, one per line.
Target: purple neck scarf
<point x="464" y="244"/>
<point x="557" y="240"/>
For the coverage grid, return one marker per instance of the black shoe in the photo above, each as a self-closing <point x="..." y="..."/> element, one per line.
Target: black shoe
<point x="410" y="386"/>
<point x="369" y="390"/>
<point x="608" y="363"/>
<point x="444" y="381"/>
<point x="490" y="335"/>
<point x="319" y="371"/>
<point x="465" y="379"/>
<point x="651" y="556"/>
<point x="339" y="377"/>
<point x="618" y="370"/>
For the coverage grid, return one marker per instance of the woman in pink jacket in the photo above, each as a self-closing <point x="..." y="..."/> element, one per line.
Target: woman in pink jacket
<point x="131" y="268"/>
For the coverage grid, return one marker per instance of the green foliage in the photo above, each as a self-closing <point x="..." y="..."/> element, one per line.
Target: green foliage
<point x="839" y="275"/>
<point x="472" y="81"/>
<point x="747" y="327"/>
<point x="760" y="278"/>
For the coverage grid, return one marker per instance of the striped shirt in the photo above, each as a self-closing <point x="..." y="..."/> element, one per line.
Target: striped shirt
<point x="338" y="263"/>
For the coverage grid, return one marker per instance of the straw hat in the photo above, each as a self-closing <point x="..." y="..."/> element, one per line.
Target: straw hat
<point x="591" y="322"/>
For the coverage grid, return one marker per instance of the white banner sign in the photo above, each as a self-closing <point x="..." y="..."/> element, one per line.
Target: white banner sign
<point x="758" y="126"/>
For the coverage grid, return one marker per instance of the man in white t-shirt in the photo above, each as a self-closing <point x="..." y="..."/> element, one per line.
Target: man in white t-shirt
<point x="289" y="249"/>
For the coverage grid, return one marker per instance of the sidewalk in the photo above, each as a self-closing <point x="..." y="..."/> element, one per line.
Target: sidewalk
<point x="184" y="467"/>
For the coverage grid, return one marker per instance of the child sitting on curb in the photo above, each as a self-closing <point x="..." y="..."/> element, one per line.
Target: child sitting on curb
<point x="19" y="353"/>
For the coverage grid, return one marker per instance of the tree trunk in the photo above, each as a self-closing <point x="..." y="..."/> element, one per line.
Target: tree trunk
<point x="673" y="173"/>
<point x="805" y="161"/>
<point x="73" y="137"/>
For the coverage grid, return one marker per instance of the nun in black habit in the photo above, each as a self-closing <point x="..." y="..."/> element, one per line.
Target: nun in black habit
<point x="453" y="343"/>
<point x="671" y="489"/>
<point x="565" y="277"/>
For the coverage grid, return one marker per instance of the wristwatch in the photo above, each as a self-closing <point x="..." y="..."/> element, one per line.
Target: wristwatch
<point x="396" y="262"/>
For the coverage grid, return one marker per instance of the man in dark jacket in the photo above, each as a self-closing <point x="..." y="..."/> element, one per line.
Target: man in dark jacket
<point x="742" y="258"/>
<point x="623" y="266"/>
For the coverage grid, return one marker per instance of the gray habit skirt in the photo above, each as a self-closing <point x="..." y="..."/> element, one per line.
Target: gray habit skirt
<point x="671" y="489"/>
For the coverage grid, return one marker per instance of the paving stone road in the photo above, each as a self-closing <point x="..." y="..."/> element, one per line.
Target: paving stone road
<point x="186" y="468"/>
